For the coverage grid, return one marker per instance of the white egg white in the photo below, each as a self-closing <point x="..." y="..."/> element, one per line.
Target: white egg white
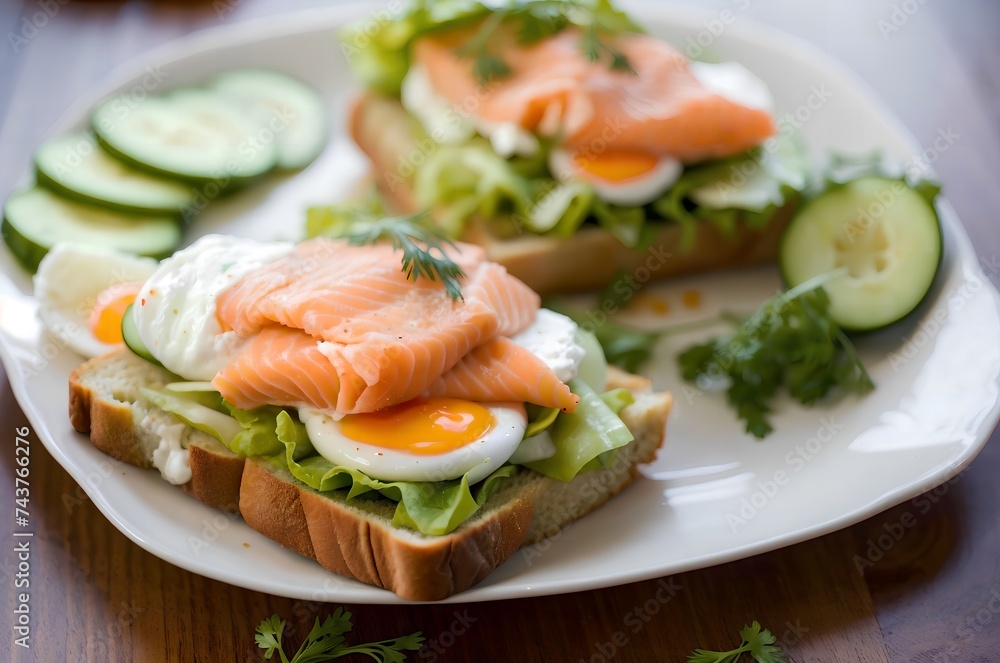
<point x="735" y="82"/>
<point x="552" y="338"/>
<point x="632" y="192"/>
<point x="177" y="322"/>
<point x="67" y="283"/>
<point x="453" y="125"/>
<point x="478" y="459"/>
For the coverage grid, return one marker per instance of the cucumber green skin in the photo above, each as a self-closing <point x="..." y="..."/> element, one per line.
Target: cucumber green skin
<point x="803" y="212"/>
<point x="131" y="337"/>
<point x="235" y="182"/>
<point x="42" y="179"/>
<point x="29" y="254"/>
<point x="322" y="141"/>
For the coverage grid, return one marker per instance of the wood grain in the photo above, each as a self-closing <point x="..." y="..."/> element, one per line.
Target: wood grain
<point x="919" y="583"/>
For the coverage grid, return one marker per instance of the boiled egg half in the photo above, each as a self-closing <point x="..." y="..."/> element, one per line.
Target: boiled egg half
<point x="619" y="177"/>
<point x="82" y="294"/>
<point x="426" y="439"/>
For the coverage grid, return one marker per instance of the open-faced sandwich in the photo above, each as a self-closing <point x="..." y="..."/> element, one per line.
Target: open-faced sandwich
<point x="411" y="428"/>
<point x="567" y="142"/>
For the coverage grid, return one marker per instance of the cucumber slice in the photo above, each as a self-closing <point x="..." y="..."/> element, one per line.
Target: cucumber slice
<point x="35" y="219"/>
<point x="189" y="134"/>
<point x="887" y="236"/>
<point x="295" y="112"/>
<point x="131" y="336"/>
<point x="76" y="167"/>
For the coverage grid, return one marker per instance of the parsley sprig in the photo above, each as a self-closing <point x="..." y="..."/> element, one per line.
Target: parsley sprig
<point x="538" y="19"/>
<point x="423" y="244"/>
<point x="790" y="341"/>
<point x="757" y="642"/>
<point x="326" y="641"/>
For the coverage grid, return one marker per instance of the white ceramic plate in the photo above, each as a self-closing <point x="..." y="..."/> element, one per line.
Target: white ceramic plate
<point x="715" y="494"/>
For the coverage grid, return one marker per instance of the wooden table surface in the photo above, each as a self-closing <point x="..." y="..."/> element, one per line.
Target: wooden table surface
<point x="932" y="596"/>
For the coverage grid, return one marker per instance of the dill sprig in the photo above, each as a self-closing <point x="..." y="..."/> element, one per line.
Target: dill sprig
<point x="539" y="19"/>
<point x="422" y="244"/>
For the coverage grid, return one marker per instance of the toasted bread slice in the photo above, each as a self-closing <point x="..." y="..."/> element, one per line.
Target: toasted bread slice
<point x="591" y="258"/>
<point x="356" y="538"/>
<point x="104" y="401"/>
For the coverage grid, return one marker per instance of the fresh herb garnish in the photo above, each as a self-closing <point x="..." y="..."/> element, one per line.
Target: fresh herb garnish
<point x="791" y="340"/>
<point x="756" y="642"/>
<point x="422" y="243"/>
<point x="326" y="641"/>
<point x="486" y="66"/>
<point x="539" y="19"/>
<point x="593" y="47"/>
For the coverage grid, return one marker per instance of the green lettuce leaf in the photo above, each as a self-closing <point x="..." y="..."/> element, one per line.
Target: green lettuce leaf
<point x="747" y="188"/>
<point x="591" y="430"/>
<point x="433" y="507"/>
<point x="627" y="224"/>
<point x="337" y="219"/>
<point x="593" y="369"/>
<point x="258" y="438"/>
<point x="761" y="179"/>
<point x="561" y="209"/>
<point x="194" y="410"/>
<point x="460" y="181"/>
<point x="378" y="46"/>
<point x="540" y="419"/>
<point x="245" y="432"/>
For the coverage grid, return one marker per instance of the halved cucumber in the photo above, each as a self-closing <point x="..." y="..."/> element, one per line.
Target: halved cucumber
<point x="296" y="113"/>
<point x="190" y="134"/>
<point x="77" y="167"/>
<point x="885" y="234"/>
<point x="130" y="334"/>
<point x="35" y="219"/>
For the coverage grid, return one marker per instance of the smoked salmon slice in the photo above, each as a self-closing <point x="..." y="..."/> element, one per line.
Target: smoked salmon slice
<point x="553" y="88"/>
<point x="340" y="327"/>
<point x="325" y="282"/>
<point x="500" y="370"/>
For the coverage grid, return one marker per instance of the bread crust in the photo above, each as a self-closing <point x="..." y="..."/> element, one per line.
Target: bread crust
<point x="216" y="476"/>
<point x="350" y="541"/>
<point x="589" y="259"/>
<point x="215" y="471"/>
<point x="272" y="506"/>
<point x="108" y="422"/>
<point x="415" y="568"/>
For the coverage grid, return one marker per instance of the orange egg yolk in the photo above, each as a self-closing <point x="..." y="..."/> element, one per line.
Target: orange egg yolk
<point x="617" y="166"/>
<point x="691" y="298"/>
<point x="424" y="426"/>
<point x="106" y="316"/>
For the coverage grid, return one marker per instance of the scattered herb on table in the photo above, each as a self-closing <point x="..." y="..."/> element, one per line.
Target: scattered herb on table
<point x="326" y="641"/>
<point x="758" y="643"/>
